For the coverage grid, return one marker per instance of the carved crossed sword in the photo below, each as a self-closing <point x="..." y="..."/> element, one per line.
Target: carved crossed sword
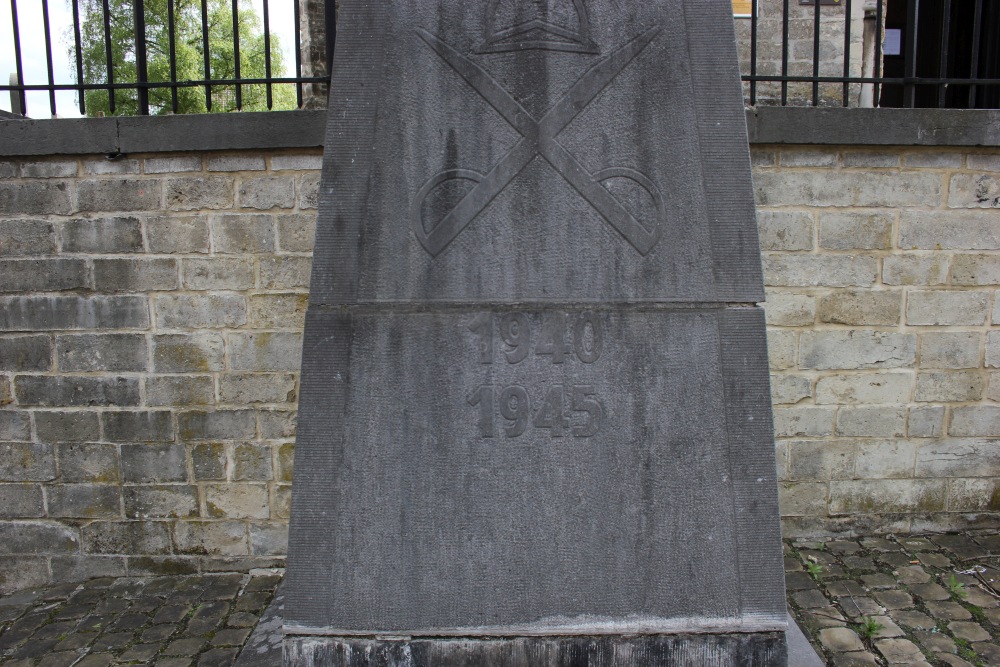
<point x="538" y="137"/>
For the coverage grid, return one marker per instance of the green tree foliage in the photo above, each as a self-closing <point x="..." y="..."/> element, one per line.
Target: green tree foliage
<point x="189" y="55"/>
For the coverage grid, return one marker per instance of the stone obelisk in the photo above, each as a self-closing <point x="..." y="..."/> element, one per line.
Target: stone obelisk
<point x="535" y="424"/>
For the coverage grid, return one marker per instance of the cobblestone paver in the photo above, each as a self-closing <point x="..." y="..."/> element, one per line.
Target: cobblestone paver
<point x="899" y="600"/>
<point x="917" y="601"/>
<point x="174" y="621"/>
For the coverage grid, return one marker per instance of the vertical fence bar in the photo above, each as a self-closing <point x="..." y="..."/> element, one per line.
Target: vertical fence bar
<point x="753" y="51"/>
<point x="330" y="16"/>
<point x="141" y="68"/>
<point x="108" y="55"/>
<point x="207" y="57"/>
<point x="75" y="4"/>
<point x="910" y="57"/>
<point x="48" y="56"/>
<point x="267" y="55"/>
<point x="172" y="45"/>
<point x="18" y="65"/>
<point x="784" y="53"/>
<point x="878" y="53"/>
<point x="847" y="50"/>
<point x="236" y="53"/>
<point x="977" y="36"/>
<point x="943" y="62"/>
<point x="816" y="20"/>
<point x="298" y="54"/>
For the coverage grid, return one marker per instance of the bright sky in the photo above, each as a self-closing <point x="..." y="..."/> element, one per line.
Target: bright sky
<point x="29" y="14"/>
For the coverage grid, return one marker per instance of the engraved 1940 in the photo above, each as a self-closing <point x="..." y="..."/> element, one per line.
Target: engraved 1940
<point x="515" y="331"/>
<point x="559" y="409"/>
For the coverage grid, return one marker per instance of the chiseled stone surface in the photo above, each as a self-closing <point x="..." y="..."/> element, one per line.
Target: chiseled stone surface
<point x="524" y="273"/>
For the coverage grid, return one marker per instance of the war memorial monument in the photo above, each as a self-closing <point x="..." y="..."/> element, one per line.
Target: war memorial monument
<point x="535" y="424"/>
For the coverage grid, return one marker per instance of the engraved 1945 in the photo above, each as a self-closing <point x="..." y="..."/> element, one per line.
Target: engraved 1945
<point x="558" y="408"/>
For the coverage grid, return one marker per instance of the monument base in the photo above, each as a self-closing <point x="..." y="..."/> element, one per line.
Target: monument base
<point x="694" y="650"/>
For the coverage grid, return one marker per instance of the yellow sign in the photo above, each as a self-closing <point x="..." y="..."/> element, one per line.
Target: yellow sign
<point x="742" y="7"/>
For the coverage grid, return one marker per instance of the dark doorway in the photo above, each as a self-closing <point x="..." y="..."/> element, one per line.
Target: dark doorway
<point x="942" y="39"/>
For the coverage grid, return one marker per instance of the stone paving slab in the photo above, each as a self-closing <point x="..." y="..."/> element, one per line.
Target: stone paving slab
<point x="908" y="600"/>
<point x="912" y="600"/>
<point x="173" y="621"/>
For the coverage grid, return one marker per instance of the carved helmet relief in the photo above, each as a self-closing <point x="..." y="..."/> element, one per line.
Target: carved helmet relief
<point x="554" y="25"/>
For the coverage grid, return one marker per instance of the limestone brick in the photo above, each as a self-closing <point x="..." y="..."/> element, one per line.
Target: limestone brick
<point x="871" y="421"/>
<point x="946" y="230"/>
<point x="947" y="307"/>
<point x="785" y="230"/>
<point x="883" y="459"/>
<point x="861" y="307"/>
<point x="925" y="422"/>
<point x="150" y="334"/>
<point x="267" y="192"/>
<point x="869" y="496"/>
<point x="915" y="269"/>
<point x="243" y="233"/>
<point x="855" y="231"/>
<point x="865" y="388"/>
<point x="224" y="538"/>
<point x="790" y="389"/>
<point x="856" y="349"/>
<point x="789" y="309"/>
<point x="821" y="460"/>
<point x="950" y="349"/>
<point x="949" y="386"/>
<point x="807" y="270"/>
<point x="974" y="191"/>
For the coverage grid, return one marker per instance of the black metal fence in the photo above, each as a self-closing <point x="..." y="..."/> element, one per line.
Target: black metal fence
<point x="136" y="57"/>
<point x="177" y="56"/>
<point x="888" y="53"/>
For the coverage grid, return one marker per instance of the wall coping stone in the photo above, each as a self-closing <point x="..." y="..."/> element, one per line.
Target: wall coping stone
<point x="163" y="134"/>
<point x="874" y="127"/>
<point x="304" y="129"/>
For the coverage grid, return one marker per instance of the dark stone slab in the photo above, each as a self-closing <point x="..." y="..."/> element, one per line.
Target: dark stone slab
<point x="264" y="647"/>
<point x="800" y="651"/>
<point x="456" y="491"/>
<point x="673" y="650"/>
<point x="874" y="127"/>
<point x="305" y="128"/>
<point x="59" y="136"/>
<point x="617" y="175"/>
<point x="535" y="400"/>
<point x="271" y="129"/>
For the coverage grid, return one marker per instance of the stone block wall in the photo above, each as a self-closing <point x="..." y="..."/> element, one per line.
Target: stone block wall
<point x="151" y="310"/>
<point x="882" y="268"/>
<point x="150" y="329"/>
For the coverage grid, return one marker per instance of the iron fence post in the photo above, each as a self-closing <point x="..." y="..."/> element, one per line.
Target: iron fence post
<point x="910" y="57"/>
<point x="142" y="72"/>
<point x="330" y="18"/>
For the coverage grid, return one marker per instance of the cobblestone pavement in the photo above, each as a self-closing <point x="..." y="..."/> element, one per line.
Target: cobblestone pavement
<point x="894" y="601"/>
<point x="175" y="621"/>
<point x="899" y="600"/>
